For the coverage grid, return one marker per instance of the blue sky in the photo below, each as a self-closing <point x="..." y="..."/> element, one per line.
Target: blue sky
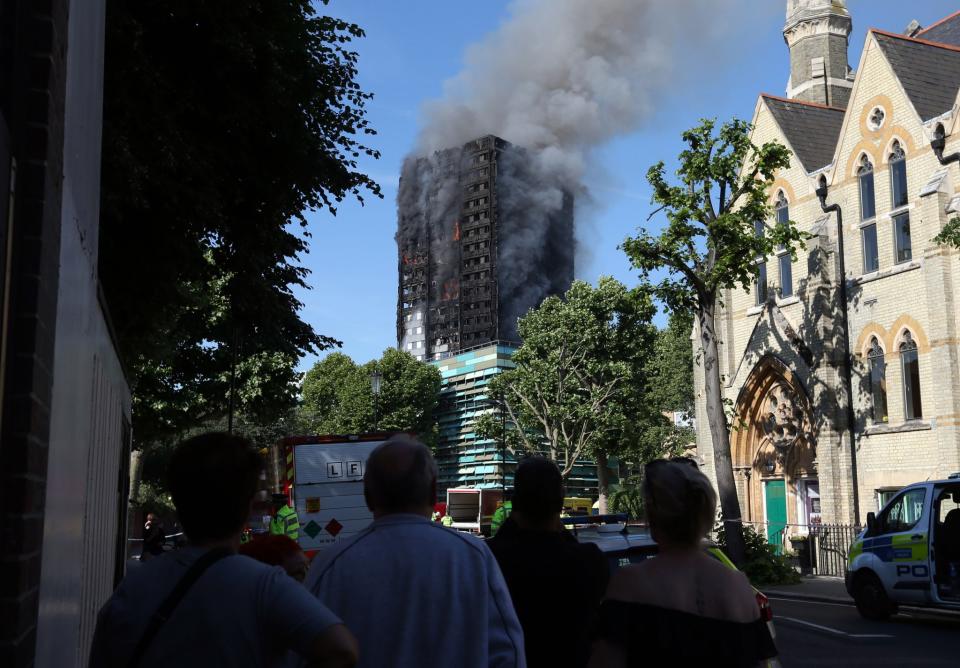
<point x="413" y="46"/>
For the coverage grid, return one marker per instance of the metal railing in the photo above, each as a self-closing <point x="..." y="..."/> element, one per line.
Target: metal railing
<point x="830" y="546"/>
<point x="826" y="549"/>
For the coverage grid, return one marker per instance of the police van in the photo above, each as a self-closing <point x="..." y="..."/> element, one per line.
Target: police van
<point x="909" y="554"/>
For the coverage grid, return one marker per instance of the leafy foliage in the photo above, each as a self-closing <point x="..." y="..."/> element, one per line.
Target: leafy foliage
<point x="671" y="379"/>
<point x="338" y="399"/>
<point x="762" y="565"/>
<point x="153" y="498"/>
<point x="671" y="382"/>
<point x="580" y="386"/>
<point x="950" y="234"/>
<point x="627" y="498"/>
<point x="710" y="243"/>
<point x="224" y="122"/>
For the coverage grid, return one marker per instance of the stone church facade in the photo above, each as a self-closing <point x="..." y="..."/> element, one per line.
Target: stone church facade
<point x="806" y="449"/>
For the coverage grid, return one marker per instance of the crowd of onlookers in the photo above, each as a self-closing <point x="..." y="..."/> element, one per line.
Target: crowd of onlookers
<point x="407" y="591"/>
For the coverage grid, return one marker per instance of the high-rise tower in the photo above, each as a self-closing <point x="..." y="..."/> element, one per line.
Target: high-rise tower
<point x="817" y="32"/>
<point x="481" y="239"/>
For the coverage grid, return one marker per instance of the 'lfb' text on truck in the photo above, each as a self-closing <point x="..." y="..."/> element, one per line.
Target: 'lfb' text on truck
<point x="323" y="477"/>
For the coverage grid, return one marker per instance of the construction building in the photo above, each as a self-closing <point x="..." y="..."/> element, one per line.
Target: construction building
<point x="466" y="460"/>
<point x="476" y="248"/>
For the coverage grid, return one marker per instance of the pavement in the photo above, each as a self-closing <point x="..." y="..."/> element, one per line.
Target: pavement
<point x="813" y="588"/>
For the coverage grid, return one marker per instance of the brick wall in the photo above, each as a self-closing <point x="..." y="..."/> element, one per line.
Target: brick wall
<point x="33" y="95"/>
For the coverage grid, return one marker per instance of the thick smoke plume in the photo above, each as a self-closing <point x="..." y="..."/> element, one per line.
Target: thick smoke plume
<point x="563" y="77"/>
<point x="559" y="78"/>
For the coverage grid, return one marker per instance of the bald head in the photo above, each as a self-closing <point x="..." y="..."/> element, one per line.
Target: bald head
<point x="401" y="477"/>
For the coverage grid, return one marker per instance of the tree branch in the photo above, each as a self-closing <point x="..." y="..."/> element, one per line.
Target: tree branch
<point x="655" y="212"/>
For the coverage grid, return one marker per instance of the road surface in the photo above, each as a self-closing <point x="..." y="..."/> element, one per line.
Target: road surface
<point x="833" y="634"/>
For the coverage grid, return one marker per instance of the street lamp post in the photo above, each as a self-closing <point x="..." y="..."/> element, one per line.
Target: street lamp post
<point x="503" y="449"/>
<point x="375" y="379"/>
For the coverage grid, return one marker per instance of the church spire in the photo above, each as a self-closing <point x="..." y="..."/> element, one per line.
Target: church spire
<point x="817" y="32"/>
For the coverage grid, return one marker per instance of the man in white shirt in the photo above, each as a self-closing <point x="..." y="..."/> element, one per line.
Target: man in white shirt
<point x="416" y="594"/>
<point x="238" y="612"/>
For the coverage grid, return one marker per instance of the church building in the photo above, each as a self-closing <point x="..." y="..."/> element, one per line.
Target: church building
<point x="842" y="365"/>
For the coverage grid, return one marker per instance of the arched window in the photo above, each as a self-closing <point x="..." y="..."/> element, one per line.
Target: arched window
<point x="868" y="211"/>
<point x="784" y="261"/>
<point x="898" y="188"/>
<point x="878" y="381"/>
<point x="782" y="208"/>
<point x="868" y="201"/>
<point x="898" y="175"/>
<point x="760" y="283"/>
<point x="910" y="367"/>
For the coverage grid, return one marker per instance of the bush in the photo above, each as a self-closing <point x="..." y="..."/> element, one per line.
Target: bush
<point x="762" y="566"/>
<point x="152" y="498"/>
<point x="628" y="498"/>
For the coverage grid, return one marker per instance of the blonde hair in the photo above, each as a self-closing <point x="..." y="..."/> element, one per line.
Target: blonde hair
<point x="680" y="501"/>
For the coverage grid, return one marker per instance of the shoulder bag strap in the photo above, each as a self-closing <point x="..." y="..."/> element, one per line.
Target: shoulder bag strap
<point x="163" y="613"/>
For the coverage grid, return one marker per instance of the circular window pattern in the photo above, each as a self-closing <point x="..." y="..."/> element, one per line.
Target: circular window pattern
<point x="876" y="118"/>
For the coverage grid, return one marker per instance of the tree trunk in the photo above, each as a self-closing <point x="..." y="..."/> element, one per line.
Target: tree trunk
<point x="719" y="433"/>
<point x="603" y="481"/>
<point x="136" y="470"/>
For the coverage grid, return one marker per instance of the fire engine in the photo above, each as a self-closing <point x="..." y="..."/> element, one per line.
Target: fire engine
<point x="323" y="478"/>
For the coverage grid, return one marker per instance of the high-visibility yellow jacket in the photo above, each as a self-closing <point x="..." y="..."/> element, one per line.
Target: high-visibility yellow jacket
<point x="500" y="516"/>
<point x="286" y="523"/>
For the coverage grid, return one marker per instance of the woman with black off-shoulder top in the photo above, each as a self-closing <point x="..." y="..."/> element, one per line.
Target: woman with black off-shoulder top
<point x="681" y="608"/>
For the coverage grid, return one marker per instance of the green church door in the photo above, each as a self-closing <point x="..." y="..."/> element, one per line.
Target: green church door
<point x="775" y="495"/>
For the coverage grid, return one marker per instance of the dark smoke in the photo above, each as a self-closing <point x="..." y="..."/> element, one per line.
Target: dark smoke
<point x="536" y="251"/>
<point x="560" y="78"/>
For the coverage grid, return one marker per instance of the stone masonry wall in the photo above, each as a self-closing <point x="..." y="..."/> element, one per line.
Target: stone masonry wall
<point x="919" y="296"/>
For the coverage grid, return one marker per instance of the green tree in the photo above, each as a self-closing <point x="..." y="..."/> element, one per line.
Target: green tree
<point x="580" y="386"/>
<point x="224" y="122"/>
<point x="671" y="381"/>
<point x="628" y="498"/>
<point x="338" y="398"/>
<point x="950" y="234"/>
<point x="709" y="244"/>
<point x="671" y="378"/>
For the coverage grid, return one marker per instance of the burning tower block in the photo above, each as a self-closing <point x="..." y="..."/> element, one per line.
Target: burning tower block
<point x="484" y="234"/>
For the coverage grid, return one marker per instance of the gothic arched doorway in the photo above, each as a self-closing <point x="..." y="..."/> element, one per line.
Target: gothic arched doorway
<point x="774" y="452"/>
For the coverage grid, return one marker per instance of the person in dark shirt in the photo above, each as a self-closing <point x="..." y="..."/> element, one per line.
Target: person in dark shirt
<point x="555" y="582"/>
<point x="154" y="537"/>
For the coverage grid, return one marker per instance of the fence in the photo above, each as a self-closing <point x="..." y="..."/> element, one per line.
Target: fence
<point x="830" y="545"/>
<point x="823" y="553"/>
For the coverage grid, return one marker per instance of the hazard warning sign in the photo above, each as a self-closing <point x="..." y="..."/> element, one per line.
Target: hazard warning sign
<point x="333" y="527"/>
<point x="328" y="491"/>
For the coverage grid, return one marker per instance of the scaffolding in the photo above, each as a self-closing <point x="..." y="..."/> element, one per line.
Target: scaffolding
<point x="464" y="459"/>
